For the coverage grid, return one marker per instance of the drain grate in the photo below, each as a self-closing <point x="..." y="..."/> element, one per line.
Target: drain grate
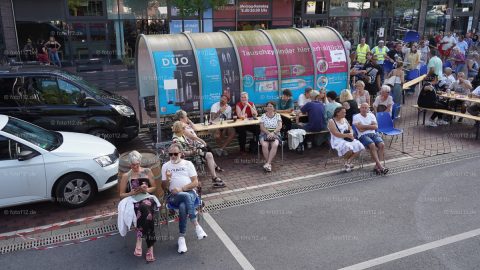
<point x="329" y="182"/>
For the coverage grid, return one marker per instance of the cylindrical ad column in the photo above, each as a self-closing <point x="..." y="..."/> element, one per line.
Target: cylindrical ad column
<point x="259" y="65"/>
<point x="330" y="58"/>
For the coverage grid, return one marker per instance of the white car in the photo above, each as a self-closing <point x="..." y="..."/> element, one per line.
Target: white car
<point x="38" y="165"/>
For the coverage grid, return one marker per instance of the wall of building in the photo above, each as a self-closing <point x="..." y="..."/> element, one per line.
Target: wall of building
<point x="8" y="28"/>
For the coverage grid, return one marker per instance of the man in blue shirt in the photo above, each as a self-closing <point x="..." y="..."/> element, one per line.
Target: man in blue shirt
<point x="316" y="113"/>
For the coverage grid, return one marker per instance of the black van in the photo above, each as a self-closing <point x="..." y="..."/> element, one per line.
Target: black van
<point x="58" y="100"/>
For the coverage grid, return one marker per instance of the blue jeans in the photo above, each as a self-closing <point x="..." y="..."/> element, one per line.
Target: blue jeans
<point x="54" y="57"/>
<point x="185" y="203"/>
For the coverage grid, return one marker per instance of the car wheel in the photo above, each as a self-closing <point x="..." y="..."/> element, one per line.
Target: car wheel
<point x="75" y="190"/>
<point x="102" y="133"/>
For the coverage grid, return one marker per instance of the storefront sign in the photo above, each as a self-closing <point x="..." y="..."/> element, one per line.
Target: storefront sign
<point x="249" y="9"/>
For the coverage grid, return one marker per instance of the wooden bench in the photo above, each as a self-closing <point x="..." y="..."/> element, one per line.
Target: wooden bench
<point x="411" y="83"/>
<point x="452" y="113"/>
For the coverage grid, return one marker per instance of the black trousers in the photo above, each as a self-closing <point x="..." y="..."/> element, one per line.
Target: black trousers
<point x="242" y="134"/>
<point x="440" y="104"/>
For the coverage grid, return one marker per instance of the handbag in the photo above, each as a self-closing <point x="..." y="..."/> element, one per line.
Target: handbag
<point x="390" y="81"/>
<point x="344" y="132"/>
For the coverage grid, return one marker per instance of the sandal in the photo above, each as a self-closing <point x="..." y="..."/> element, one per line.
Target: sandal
<point x="220" y="184"/>
<point x="149" y="256"/>
<point x="267" y="167"/>
<point x="217" y="179"/>
<point x="385" y="171"/>
<point x="138" y="252"/>
<point x="218" y="169"/>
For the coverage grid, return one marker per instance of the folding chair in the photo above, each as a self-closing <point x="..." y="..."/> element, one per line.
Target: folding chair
<point x="385" y="127"/>
<point x="171" y="212"/>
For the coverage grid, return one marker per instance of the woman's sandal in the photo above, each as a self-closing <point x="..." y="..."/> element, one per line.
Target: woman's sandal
<point x="149" y="256"/>
<point x="385" y="171"/>
<point x="218" y="169"/>
<point x="218" y="185"/>
<point x="138" y="252"/>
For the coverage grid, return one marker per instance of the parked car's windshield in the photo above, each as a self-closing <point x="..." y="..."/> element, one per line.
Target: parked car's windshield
<point x="46" y="139"/>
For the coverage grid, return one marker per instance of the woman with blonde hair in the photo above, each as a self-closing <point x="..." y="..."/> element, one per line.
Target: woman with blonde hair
<point x="192" y="147"/>
<point x="322" y="96"/>
<point x="399" y="80"/>
<point x="347" y="101"/>
<point x="361" y="95"/>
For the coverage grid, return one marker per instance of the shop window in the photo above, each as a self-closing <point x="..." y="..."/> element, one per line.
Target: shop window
<point x="80" y="8"/>
<point x="435" y="19"/>
<point x="463" y="5"/>
<point x="315" y="7"/>
<point x="348" y="7"/>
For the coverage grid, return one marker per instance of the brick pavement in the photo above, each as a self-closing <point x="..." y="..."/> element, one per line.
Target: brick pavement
<point x="246" y="171"/>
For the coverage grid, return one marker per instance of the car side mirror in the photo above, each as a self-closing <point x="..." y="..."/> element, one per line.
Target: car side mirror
<point x="26" y="155"/>
<point x="88" y="101"/>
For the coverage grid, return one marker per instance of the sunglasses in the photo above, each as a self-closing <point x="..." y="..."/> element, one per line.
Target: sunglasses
<point x="173" y="154"/>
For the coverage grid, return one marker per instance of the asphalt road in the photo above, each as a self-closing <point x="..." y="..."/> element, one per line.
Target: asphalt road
<point x="325" y="229"/>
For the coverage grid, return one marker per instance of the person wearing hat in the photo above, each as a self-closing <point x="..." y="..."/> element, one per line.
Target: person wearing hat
<point x="315" y="111"/>
<point x="380" y="51"/>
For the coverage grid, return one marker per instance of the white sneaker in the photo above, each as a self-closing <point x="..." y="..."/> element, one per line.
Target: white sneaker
<point x="442" y="122"/>
<point x="200" y="233"/>
<point x="182" y="246"/>
<point x="430" y="123"/>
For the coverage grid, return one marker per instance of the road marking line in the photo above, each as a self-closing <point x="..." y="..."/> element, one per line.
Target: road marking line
<point x="237" y="254"/>
<point x="294" y="179"/>
<point x="414" y="250"/>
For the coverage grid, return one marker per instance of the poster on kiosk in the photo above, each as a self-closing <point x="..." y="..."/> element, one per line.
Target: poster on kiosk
<point x="191" y="71"/>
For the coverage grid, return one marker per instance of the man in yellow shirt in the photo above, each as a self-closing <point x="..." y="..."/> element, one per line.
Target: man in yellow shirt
<point x="380" y="51"/>
<point x="362" y="50"/>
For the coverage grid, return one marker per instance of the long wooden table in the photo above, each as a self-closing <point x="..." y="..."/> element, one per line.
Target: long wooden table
<point x="460" y="97"/>
<point x="409" y="84"/>
<point x="290" y="116"/>
<point x="226" y="124"/>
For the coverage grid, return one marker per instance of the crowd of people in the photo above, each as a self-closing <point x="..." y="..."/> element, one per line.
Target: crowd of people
<point x="45" y="52"/>
<point x="377" y="75"/>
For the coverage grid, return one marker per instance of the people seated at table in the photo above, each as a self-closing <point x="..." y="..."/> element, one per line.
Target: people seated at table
<point x="270" y="126"/>
<point x="138" y="205"/>
<point x="285" y="103"/>
<point x="360" y="95"/>
<point x="461" y="86"/>
<point x="342" y="139"/>
<point x="180" y="178"/>
<point x="331" y="105"/>
<point x="315" y="112"/>
<point x="182" y="115"/>
<point x="305" y="97"/>
<point x="474" y="108"/>
<point x="366" y="124"/>
<point x="322" y="96"/>
<point x="192" y="147"/>
<point x="221" y="111"/>
<point x="447" y="79"/>
<point x="246" y="109"/>
<point x="384" y="101"/>
<point x="347" y="101"/>
<point x="427" y="98"/>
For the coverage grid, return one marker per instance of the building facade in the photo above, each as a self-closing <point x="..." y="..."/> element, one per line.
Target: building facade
<point x="108" y="29"/>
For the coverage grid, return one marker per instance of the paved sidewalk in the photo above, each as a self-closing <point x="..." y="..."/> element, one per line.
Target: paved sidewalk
<point x="246" y="171"/>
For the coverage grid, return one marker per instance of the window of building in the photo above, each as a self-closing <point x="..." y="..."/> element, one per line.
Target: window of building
<point x="348" y="7"/>
<point x="315" y="7"/>
<point x="80" y="8"/>
<point x="435" y="19"/>
<point x="463" y="5"/>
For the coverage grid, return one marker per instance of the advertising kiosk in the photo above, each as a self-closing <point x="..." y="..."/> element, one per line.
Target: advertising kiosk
<point x="190" y="71"/>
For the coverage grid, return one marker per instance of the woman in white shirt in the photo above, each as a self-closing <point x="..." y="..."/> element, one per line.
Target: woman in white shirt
<point x="270" y="126"/>
<point x="383" y="102"/>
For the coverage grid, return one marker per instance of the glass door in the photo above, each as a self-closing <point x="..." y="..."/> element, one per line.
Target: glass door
<point x="88" y="40"/>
